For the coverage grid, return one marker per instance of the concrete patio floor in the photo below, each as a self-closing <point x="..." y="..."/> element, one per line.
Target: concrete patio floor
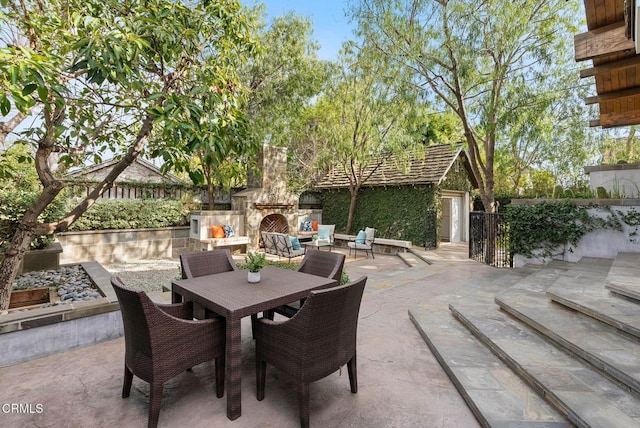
<point x="400" y="382"/>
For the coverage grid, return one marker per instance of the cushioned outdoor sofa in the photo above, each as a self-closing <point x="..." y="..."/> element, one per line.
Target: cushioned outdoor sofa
<point x="280" y="244"/>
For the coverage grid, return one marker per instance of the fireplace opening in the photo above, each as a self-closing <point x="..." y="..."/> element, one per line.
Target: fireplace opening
<point x="273" y="223"/>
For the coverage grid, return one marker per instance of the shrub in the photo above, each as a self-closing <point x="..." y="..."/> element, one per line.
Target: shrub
<point x="13" y="204"/>
<point x="132" y="214"/>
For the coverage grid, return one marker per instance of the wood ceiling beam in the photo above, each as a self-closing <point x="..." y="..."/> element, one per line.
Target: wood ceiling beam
<point x="625" y="93"/>
<point x="611" y="66"/>
<point x="603" y="41"/>
<point x="610" y="120"/>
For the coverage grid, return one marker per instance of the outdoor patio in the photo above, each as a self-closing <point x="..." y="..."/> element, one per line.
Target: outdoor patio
<point x="400" y="382"/>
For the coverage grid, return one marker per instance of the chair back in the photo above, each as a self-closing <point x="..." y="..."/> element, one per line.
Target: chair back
<point x="370" y="235"/>
<point x="328" y="323"/>
<point x="206" y="263"/>
<point x="323" y="263"/>
<point x="135" y="307"/>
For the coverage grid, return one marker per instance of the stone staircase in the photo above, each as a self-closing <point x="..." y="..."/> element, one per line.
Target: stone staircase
<point x="549" y="346"/>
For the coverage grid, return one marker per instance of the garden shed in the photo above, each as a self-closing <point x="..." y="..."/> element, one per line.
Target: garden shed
<point x="426" y="200"/>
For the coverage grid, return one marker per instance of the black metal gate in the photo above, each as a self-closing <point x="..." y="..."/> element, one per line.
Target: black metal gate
<point x="489" y="239"/>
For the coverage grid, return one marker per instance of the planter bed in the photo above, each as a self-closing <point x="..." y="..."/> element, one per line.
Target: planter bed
<point x="35" y="333"/>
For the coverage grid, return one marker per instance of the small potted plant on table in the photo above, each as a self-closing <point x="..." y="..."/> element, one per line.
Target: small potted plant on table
<point x="254" y="261"/>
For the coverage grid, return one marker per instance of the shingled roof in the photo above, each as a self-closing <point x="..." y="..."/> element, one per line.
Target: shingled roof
<point x="432" y="169"/>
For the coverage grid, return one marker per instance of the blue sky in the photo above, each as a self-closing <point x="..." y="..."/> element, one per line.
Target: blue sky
<point x="330" y="26"/>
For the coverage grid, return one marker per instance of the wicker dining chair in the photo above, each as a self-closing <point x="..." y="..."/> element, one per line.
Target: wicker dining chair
<point x="314" y="343"/>
<point x="206" y="263"/>
<point x="162" y="341"/>
<point x="320" y="263"/>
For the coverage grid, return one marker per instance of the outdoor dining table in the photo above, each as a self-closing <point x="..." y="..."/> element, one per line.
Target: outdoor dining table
<point x="230" y="295"/>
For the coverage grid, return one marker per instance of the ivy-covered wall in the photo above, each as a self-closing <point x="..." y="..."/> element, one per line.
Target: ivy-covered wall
<point x="457" y="178"/>
<point x="397" y="212"/>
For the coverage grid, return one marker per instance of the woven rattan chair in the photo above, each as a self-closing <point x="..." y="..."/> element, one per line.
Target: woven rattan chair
<point x="320" y="263"/>
<point x="206" y="263"/>
<point x="314" y="343"/>
<point x="162" y="341"/>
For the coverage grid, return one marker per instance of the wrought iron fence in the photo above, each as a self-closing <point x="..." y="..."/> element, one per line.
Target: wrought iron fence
<point x="489" y="239"/>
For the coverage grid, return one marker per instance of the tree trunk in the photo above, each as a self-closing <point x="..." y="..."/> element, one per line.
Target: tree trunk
<point x="9" y="265"/>
<point x="352" y="208"/>
<point x="210" y="194"/>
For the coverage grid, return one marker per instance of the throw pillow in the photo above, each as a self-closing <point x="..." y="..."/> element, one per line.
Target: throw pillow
<point x="217" y="232"/>
<point x="306" y="226"/>
<point x="228" y="231"/>
<point x="314" y="225"/>
<point x="323" y="232"/>
<point x="360" y="237"/>
<point x="295" y="243"/>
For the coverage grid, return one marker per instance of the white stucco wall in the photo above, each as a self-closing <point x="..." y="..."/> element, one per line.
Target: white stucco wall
<point x="623" y="179"/>
<point x="601" y="243"/>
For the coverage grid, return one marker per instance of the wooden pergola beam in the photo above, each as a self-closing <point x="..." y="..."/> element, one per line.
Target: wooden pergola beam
<point x="603" y="41"/>
<point x="611" y="66"/>
<point x="625" y="93"/>
<point x="610" y="120"/>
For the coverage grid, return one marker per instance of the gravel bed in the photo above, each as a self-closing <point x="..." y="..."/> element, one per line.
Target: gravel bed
<point x="146" y="275"/>
<point x="72" y="283"/>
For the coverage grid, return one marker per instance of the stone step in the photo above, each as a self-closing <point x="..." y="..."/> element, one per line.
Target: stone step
<point x="599" y="344"/>
<point x="594" y="300"/>
<point x="414" y="259"/>
<point x="624" y="275"/>
<point x="580" y="392"/>
<point x="496" y="395"/>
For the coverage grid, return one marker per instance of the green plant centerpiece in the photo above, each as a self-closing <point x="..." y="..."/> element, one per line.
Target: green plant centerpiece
<point x="254" y="262"/>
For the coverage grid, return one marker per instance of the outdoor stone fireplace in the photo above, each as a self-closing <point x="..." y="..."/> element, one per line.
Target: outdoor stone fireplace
<point x="265" y="205"/>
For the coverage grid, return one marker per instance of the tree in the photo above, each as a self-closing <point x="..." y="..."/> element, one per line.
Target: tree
<point x="551" y="133"/>
<point x="483" y="60"/>
<point x="281" y="77"/>
<point x="80" y="78"/>
<point x="366" y="115"/>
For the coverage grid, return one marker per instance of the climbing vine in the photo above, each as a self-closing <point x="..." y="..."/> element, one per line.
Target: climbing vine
<point x="542" y="228"/>
<point x="397" y="212"/>
<point x="631" y="218"/>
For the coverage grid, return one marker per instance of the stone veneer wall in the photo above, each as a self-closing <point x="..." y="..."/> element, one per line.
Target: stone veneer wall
<point x="266" y="195"/>
<point x="112" y="246"/>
